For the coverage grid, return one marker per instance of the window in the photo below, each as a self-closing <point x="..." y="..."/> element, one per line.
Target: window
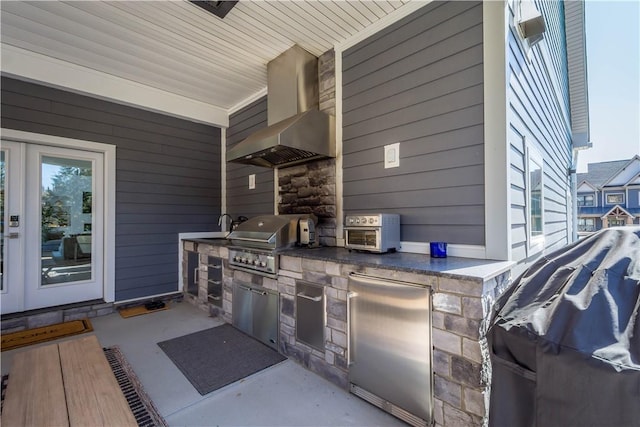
<point x="535" y="197"/>
<point x="586" y="224"/>
<point x="585" y="200"/>
<point x="615" y="198"/>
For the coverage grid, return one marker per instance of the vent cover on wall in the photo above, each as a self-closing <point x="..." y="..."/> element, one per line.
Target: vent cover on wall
<point x="218" y="8"/>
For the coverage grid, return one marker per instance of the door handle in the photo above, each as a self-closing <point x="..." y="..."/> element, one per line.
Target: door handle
<point x="255" y="291"/>
<point x="12" y="235"/>
<point x="195" y="275"/>
<point x="351" y="357"/>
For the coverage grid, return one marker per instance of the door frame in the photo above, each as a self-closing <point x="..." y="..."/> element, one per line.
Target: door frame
<point x="14" y="249"/>
<point x="109" y="152"/>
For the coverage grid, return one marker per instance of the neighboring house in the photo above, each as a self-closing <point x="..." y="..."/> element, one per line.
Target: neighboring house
<point x="487" y="122"/>
<point x="608" y="195"/>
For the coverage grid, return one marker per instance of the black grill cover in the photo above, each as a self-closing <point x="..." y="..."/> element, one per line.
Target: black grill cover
<point x="564" y="339"/>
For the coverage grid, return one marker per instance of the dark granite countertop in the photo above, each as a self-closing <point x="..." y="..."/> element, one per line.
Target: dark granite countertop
<point x="416" y="263"/>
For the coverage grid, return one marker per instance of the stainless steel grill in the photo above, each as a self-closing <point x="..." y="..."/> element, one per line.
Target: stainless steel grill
<point x="255" y="243"/>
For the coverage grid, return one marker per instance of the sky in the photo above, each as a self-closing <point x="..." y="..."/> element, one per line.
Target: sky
<point x="613" y="68"/>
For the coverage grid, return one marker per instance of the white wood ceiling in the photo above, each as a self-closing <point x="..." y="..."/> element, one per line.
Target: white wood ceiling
<point x="180" y="48"/>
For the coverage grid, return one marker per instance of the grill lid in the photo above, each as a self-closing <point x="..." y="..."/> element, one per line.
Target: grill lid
<point x="266" y="232"/>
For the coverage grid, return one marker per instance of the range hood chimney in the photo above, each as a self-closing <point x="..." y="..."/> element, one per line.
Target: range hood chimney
<point x="297" y="131"/>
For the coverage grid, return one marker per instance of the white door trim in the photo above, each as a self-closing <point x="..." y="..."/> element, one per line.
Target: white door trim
<point x="109" y="151"/>
<point x="14" y="250"/>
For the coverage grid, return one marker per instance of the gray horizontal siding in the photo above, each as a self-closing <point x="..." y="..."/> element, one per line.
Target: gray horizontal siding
<point x="241" y="200"/>
<point x="539" y="112"/>
<point x="167" y="175"/>
<point x="419" y="82"/>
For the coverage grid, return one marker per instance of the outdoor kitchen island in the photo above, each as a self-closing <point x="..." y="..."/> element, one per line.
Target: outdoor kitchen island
<point x="460" y="288"/>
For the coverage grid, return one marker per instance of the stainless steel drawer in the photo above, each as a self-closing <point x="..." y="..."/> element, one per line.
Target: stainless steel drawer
<point x="310" y="314"/>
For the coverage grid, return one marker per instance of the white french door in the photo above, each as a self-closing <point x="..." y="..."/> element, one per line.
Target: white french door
<point x="53" y="226"/>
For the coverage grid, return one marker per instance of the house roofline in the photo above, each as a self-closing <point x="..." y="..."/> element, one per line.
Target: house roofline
<point x="634" y="158"/>
<point x="630" y="182"/>
<point x="584" y="181"/>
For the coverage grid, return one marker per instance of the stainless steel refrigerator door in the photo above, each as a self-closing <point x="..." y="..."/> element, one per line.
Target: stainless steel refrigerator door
<point x="242" y="310"/>
<point x="265" y="316"/>
<point x="390" y="342"/>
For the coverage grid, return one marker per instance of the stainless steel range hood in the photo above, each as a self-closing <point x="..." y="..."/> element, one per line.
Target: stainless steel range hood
<point x="298" y="132"/>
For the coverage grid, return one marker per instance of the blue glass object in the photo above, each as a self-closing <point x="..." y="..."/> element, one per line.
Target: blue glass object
<point x="438" y="249"/>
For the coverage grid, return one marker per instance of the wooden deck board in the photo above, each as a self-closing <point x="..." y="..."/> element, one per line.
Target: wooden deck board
<point x="92" y="392"/>
<point x="35" y="392"/>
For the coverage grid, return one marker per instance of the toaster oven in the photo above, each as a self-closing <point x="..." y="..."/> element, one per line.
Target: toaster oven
<point x="372" y="232"/>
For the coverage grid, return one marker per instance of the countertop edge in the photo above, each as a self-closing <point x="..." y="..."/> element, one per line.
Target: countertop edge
<point x="479" y="270"/>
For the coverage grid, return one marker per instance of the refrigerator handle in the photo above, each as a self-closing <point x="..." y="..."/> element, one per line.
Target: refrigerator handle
<point x="350" y="352"/>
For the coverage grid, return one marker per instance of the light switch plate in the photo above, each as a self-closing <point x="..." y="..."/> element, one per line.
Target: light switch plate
<point x="252" y="181"/>
<point x="392" y="155"/>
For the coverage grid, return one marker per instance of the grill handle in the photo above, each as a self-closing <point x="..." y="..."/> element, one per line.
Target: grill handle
<point x="310" y="298"/>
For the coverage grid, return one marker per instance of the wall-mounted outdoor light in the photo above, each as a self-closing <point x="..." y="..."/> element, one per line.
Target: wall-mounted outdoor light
<point x="530" y="23"/>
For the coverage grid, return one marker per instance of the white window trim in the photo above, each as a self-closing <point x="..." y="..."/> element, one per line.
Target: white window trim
<point x="535" y="244"/>
<point x="595" y="199"/>
<point x="606" y="199"/>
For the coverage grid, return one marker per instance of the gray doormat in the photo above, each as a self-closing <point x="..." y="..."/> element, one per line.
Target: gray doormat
<point x="219" y="356"/>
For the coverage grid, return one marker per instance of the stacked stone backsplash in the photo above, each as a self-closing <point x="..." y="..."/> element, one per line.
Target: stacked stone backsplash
<point x="311" y="187"/>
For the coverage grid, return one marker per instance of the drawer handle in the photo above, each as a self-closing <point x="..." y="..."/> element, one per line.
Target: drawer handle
<point x="214" y="298"/>
<point x="310" y="298"/>
<point x="215" y="282"/>
<point x="217" y="267"/>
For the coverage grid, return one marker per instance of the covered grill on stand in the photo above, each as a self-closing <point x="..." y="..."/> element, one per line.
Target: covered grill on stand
<point x="564" y="339"/>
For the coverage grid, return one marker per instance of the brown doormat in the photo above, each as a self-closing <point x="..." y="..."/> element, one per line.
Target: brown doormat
<point x="45" y="333"/>
<point x="143" y="309"/>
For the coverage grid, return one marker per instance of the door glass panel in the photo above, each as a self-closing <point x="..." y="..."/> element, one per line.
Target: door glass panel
<point x="66" y="220"/>
<point x="2" y="217"/>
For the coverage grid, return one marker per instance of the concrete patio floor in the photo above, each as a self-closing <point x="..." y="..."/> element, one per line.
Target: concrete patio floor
<point x="283" y="395"/>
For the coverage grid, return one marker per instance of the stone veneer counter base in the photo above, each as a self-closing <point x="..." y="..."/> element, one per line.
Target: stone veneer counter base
<point x="462" y="290"/>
